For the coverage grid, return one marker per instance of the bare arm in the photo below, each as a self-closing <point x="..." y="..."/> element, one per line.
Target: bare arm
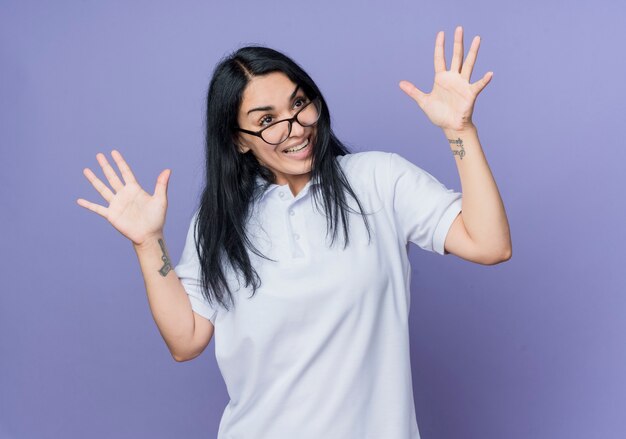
<point x="140" y="217"/>
<point x="481" y="231"/>
<point x="169" y="303"/>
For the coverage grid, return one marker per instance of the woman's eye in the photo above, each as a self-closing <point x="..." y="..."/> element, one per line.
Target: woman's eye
<point x="299" y="102"/>
<point x="302" y="101"/>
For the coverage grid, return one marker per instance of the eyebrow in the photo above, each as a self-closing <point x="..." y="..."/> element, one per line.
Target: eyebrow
<point x="269" y="107"/>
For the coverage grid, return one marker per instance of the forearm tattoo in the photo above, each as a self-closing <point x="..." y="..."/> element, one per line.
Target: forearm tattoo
<point x="167" y="265"/>
<point x="459" y="152"/>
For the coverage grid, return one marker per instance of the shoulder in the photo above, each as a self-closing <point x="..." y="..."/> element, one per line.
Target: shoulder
<point x="363" y="157"/>
<point x="379" y="165"/>
<point x="365" y="162"/>
<point x="368" y="173"/>
<point x="385" y="171"/>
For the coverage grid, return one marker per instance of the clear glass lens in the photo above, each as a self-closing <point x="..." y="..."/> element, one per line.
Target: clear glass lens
<point x="279" y="132"/>
<point x="276" y="133"/>
<point x="309" y="114"/>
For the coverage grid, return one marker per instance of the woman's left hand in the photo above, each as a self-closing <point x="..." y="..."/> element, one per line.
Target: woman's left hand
<point x="451" y="102"/>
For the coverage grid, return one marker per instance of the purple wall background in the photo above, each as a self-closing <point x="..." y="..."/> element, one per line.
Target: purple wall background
<point x="532" y="348"/>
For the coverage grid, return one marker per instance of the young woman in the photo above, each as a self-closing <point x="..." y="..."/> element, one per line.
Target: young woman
<point x="297" y="255"/>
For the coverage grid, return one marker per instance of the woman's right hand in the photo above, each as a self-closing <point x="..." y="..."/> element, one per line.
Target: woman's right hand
<point x="132" y="211"/>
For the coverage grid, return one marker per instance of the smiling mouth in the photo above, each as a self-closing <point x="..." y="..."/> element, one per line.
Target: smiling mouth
<point x="297" y="147"/>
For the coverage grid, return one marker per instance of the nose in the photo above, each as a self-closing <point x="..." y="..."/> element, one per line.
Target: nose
<point x="297" y="130"/>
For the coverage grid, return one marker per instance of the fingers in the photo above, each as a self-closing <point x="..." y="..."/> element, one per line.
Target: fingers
<point x="457" y="64"/>
<point x="102" y="188"/>
<point x="109" y="172"/>
<point x="468" y="66"/>
<point x="127" y="174"/>
<point x="478" y="86"/>
<point x="440" y="60"/>
<point x="413" y="92"/>
<point x="160" y="189"/>
<point x="457" y="52"/>
<point x="100" y="210"/>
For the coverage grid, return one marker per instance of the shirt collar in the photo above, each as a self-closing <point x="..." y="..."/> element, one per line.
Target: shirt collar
<point x="261" y="181"/>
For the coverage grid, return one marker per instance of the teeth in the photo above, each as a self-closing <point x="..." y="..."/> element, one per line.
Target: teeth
<point x="299" y="147"/>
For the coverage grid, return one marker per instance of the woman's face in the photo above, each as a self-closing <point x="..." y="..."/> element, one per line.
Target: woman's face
<point x="279" y="99"/>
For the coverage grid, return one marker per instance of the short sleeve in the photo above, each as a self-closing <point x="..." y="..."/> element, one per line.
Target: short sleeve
<point x="188" y="271"/>
<point x="423" y="207"/>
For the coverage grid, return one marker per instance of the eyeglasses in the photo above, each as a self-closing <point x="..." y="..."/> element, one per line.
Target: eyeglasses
<point x="280" y="131"/>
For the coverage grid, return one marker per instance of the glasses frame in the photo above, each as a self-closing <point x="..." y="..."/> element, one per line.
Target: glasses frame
<point x="291" y="120"/>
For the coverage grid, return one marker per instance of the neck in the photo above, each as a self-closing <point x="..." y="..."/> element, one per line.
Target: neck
<point x="295" y="182"/>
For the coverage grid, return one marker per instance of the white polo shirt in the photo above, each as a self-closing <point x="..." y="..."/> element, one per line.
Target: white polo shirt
<point x="322" y="348"/>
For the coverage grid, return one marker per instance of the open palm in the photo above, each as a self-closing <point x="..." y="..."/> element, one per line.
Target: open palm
<point x="132" y="211"/>
<point x="450" y="104"/>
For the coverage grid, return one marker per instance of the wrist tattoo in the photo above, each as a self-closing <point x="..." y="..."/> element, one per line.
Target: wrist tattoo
<point x="167" y="265"/>
<point x="459" y="152"/>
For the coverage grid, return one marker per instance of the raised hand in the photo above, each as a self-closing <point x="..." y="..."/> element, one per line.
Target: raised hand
<point x="132" y="211"/>
<point x="450" y="104"/>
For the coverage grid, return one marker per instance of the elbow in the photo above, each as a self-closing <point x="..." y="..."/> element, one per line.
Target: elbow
<point x="181" y="358"/>
<point x="507" y="254"/>
<point x="499" y="256"/>
<point x="507" y="251"/>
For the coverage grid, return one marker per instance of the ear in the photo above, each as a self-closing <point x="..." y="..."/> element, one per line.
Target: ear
<point x="241" y="147"/>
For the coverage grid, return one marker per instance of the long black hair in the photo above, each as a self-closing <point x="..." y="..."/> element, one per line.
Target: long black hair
<point x="231" y="177"/>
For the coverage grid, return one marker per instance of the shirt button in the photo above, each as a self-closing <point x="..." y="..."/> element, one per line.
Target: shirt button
<point x="296" y="236"/>
<point x="292" y="213"/>
<point x="281" y="194"/>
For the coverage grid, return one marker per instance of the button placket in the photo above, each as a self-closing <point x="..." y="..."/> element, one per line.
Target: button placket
<point x="297" y="221"/>
<point x="292" y="213"/>
<point x="294" y="229"/>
